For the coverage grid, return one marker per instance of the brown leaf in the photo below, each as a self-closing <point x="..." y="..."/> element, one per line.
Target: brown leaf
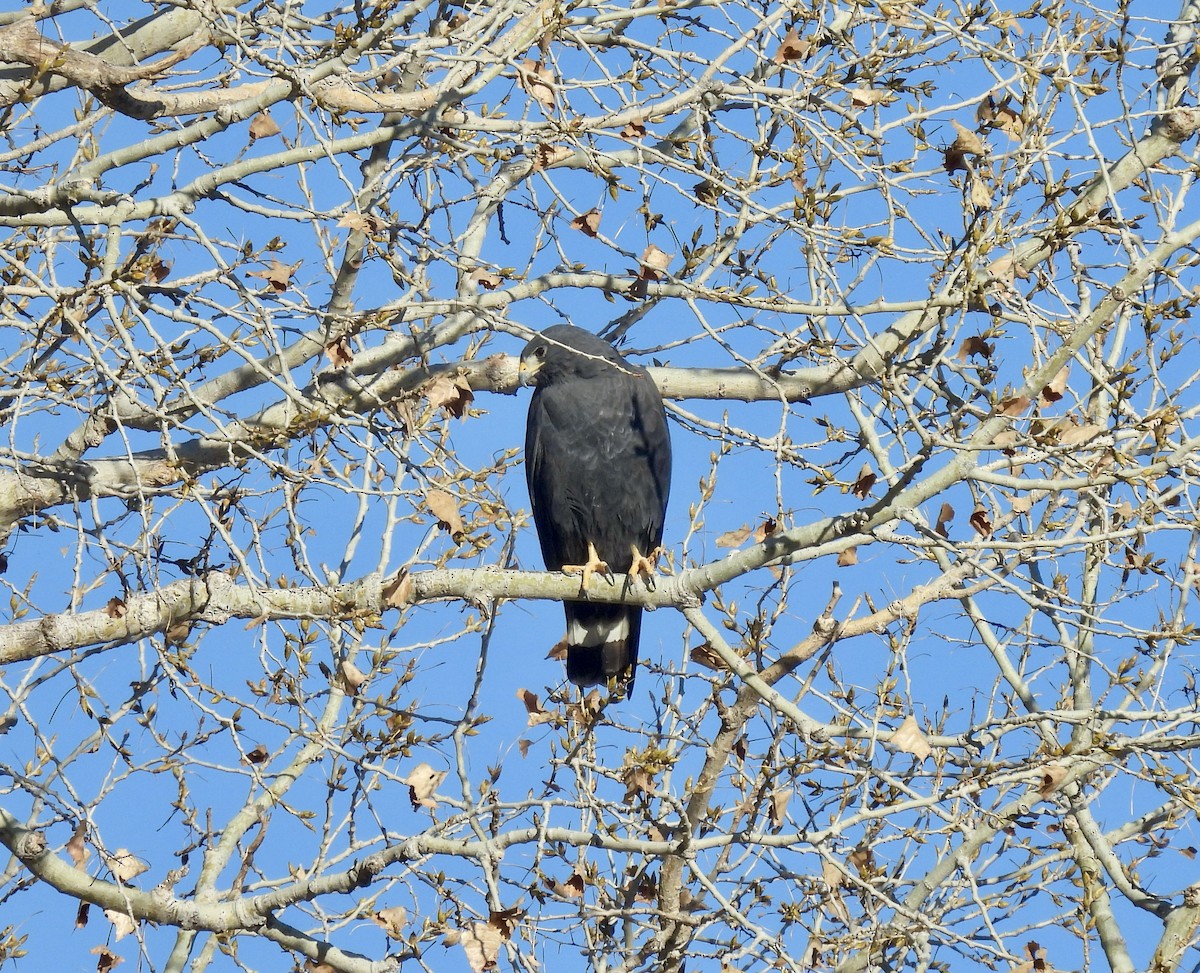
<point x="263" y="127"/>
<point x="777" y="812"/>
<point x="1052" y="777"/>
<point x="398" y="592"/>
<point x="981" y="193"/>
<point x="538" y="81"/>
<point x="587" y="223"/>
<point x="865" y="97"/>
<point x="704" y="655"/>
<point x="909" y="738"/>
<point x="481" y="942"/>
<point x="866" y="479"/>
<point x="533" y="707"/>
<point x="974" y="345"/>
<point x="392" y="920"/>
<point x="123" y="924"/>
<point x="981" y="521"/>
<point x="444" y="507"/>
<point x="793" y="47"/>
<point x="506" y="920"/>
<point x="278" y="276"/>
<point x="486" y="278"/>
<point x="634" y="130"/>
<point x="256" y="756"/>
<point x="77" y="847"/>
<point x="453" y="395"/>
<point x="847" y="558"/>
<point x="107" y="959"/>
<point x="367" y="223"/>
<point x="765" y="530"/>
<point x="350" y="677"/>
<point x="339" y="353"/>
<point x="1074" y="435"/>
<point x="572" y="888"/>
<point x="945" y="515"/>
<point x="422" y="781"/>
<point x="1052" y="392"/>
<point x="966" y="141"/>
<point x="734" y="538"/>
<point x="653" y="263"/>
<point x="1014" y="406"/>
<point x="124" y="865"/>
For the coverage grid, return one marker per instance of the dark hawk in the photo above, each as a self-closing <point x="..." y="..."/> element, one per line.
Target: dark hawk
<point x="598" y="465"/>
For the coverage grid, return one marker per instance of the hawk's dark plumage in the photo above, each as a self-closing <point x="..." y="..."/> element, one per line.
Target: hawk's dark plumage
<point x="598" y="465"/>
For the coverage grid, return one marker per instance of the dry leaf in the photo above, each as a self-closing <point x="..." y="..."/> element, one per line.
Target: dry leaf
<point x="123" y="924"/>
<point x="792" y="47"/>
<point x="453" y="395"/>
<point x="1052" y="777"/>
<point x="654" y="262"/>
<point x="537" y="80"/>
<point x="444" y="507"/>
<point x="634" y="130"/>
<point x="263" y="127"/>
<point x="124" y="865"/>
<point x="587" y="223"/>
<point x="339" y="353"/>
<point x="909" y="738"/>
<point x="533" y="707"/>
<point x="734" y="538"/>
<point x="865" y="97"/>
<point x="1074" y="435"/>
<point x="485" y="278"/>
<point x="981" y="522"/>
<point x="506" y="920"/>
<point x="1014" y="406"/>
<point x="704" y="655"/>
<point x="848" y="558"/>
<point x="481" y="942"/>
<point x="278" y="276"/>
<point x="392" y="920"/>
<point x="945" y="515"/>
<point x="77" y="847"/>
<point x="966" y="141"/>
<point x="866" y="480"/>
<point x="422" y="781"/>
<point x="974" y="345"/>
<point x="257" y="756"/>
<point x="765" y="530"/>
<point x="1052" y="392"/>
<point x="362" y="222"/>
<point x="398" y="592"/>
<point x="350" y="677"/>
<point x="981" y="193"/>
<point x="777" y="812"/>
<point x="106" y="960"/>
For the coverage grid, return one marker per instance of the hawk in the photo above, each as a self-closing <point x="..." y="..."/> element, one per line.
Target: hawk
<point x="598" y="466"/>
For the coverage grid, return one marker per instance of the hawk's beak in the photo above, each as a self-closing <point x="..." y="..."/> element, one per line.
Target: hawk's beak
<point x="528" y="370"/>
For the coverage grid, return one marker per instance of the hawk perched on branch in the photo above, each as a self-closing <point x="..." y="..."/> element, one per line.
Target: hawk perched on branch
<point x="598" y="465"/>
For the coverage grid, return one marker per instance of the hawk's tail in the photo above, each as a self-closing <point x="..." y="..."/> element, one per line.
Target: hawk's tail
<point x="602" y="642"/>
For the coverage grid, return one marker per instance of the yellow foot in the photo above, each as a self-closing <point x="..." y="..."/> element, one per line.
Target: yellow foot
<point x="644" y="565"/>
<point x="594" y="564"/>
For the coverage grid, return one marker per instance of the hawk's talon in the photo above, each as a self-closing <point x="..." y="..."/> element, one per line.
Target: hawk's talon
<point x="644" y="565"/>
<point x="595" y="564"/>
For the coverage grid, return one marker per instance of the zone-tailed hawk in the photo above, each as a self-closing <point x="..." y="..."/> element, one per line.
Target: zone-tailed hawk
<point x="598" y="465"/>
